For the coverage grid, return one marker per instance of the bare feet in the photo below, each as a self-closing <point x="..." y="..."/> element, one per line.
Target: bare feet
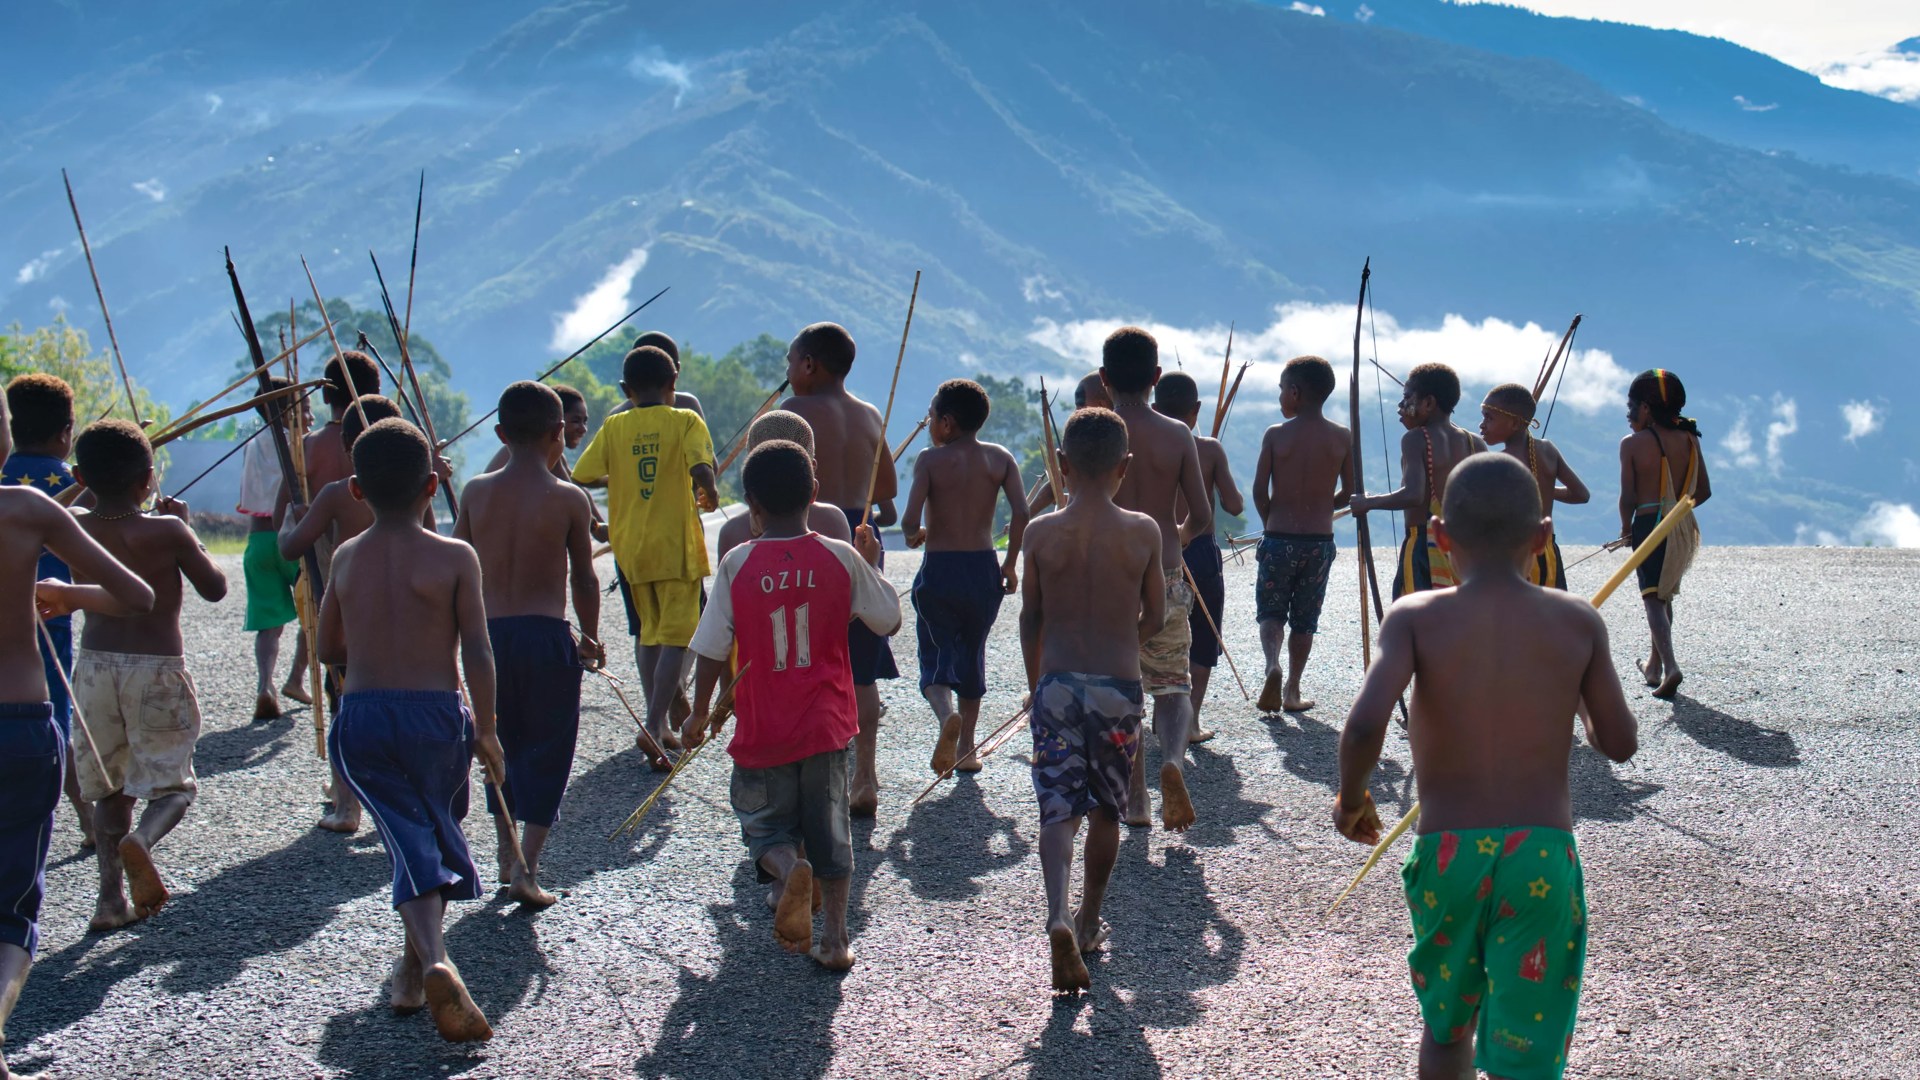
<point x="1669" y="686"/>
<point x="1295" y="703"/>
<point x="969" y="764"/>
<point x="1089" y="938"/>
<point x="678" y="709"/>
<point x="1270" y="700"/>
<point x="407" y="990"/>
<point x="111" y="914"/>
<point x="793" y="917"/>
<point x="1176" y="810"/>
<point x="507" y="864"/>
<point x="1200" y="735"/>
<point x="454" y="1013"/>
<point x="143" y="878"/>
<point x="1139" y="807"/>
<point x="266" y="707"/>
<point x="670" y="740"/>
<point x="1069" y="967"/>
<point x="1650" y="671"/>
<point x="294" y="692"/>
<point x="864" y="799"/>
<point x="335" y="821"/>
<point x="946" y="751"/>
<point x="526" y="891"/>
<point x="833" y="957"/>
<point x="655" y="761"/>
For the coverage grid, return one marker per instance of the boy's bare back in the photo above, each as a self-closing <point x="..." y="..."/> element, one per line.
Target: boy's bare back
<point x="528" y="529"/>
<point x="1497" y="675"/>
<point x="1451" y="446"/>
<point x="401" y="599"/>
<point x="325" y="456"/>
<point x="1094" y="575"/>
<point x="964" y="481"/>
<point x="846" y="440"/>
<point x="1164" y="468"/>
<point x="1642" y="459"/>
<point x="1303" y="462"/>
<point x="160" y="549"/>
<point x="30" y="521"/>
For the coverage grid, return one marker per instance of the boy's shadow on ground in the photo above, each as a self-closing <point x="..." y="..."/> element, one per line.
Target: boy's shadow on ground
<point x="291" y="894"/>
<point x="946" y="846"/>
<point x="1310" y="750"/>
<point x="759" y="1006"/>
<point x="1219" y="804"/>
<point x="243" y="747"/>
<point x="1599" y="792"/>
<point x="1114" y="1045"/>
<point x="1740" y="739"/>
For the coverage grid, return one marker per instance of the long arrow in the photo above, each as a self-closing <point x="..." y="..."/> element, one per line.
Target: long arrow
<point x="86" y="248"/>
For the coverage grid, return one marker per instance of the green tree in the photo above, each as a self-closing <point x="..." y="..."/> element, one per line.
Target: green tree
<point x="65" y="351"/>
<point x="765" y="357"/>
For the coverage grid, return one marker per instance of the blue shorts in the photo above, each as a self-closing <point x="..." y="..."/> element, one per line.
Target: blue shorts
<point x="868" y="653"/>
<point x="1208" y="569"/>
<point x="406" y="754"/>
<point x="61" y="631"/>
<point x="33" y="760"/>
<point x="956" y="597"/>
<point x="536" y="666"/>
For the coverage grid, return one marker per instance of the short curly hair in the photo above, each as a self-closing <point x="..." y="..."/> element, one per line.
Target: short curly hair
<point x="392" y="463"/>
<point x="1129" y="357"/>
<point x="113" y="456"/>
<point x="39" y="408"/>
<point x="965" y="401"/>
<point x="1438" y="382"/>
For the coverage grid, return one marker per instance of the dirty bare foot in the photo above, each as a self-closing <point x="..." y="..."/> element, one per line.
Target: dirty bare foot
<point x="526" y="891"/>
<point x="670" y="740"/>
<point x="678" y="709"/>
<point x="946" y="751"/>
<point x="143" y="878"/>
<point x="1294" y="702"/>
<point x="454" y="1013"/>
<point x="1669" y="686"/>
<point x="793" y="917"/>
<point x="1651" y="671"/>
<point x="833" y="957"/>
<point x="111" y="913"/>
<point x="407" y="990"/>
<point x="335" y="821"/>
<point x="864" y="799"/>
<point x="266" y="707"/>
<point x="1069" y="967"/>
<point x="507" y="864"/>
<point x="1270" y="700"/>
<point x="969" y="763"/>
<point x="1139" y="806"/>
<point x="293" y="691"/>
<point x="1200" y="735"/>
<point x="1089" y="936"/>
<point x="1176" y="810"/>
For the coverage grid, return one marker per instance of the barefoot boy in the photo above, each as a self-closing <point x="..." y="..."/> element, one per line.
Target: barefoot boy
<point x="1164" y="469"/>
<point x="269" y="577"/>
<point x="822" y="518"/>
<point x="1432" y="447"/>
<point x="401" y="602"/>
<point x="781" y="600"/>
<point x="1302" y="462"/>
<point x="645" y="457"/>
<point x="33" y="745"/>
<point x="1178" y="396"/>
<point x="853" y="469"/>
<point x="1094" y="595"/>
<point x="130" y="677"/>
<point x="1506" y="420"/>
<point x="532" y="533"/>
<point x="957" y="593"/>
<point x="41" y="411"/>
<point x="1660" y="462"/>
<point x="1493" y="882"/>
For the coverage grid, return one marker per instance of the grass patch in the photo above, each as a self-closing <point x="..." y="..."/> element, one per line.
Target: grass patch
<point x="225" y="545"/>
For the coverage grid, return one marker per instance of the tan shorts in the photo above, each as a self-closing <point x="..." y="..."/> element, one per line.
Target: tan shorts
<point x="1163" y="659"/>
<point x="144" y="721"/>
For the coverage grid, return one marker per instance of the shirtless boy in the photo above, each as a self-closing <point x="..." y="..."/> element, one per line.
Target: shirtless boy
<point x="402" y="601"/>
<point x="1493" y="883"/>
<point x="956" y="595"/>
<point x="780" y="601"/>
<point x="323" y="450"/>
<point x="1302" y="462"/>
<point x="1094" y="595"/>
<point x="334" y="518"/>
<point x="853" y="470"/>
<point x="269" y="577"/>
<point x="33" y="748"/>
<point x="130" y="677"/>
<point x="532" y="533"/>
<point x="1164" y="470"/>
<point x="1660" y="462"/>
<point x="1431" y="448"/>
<point x="823" y="518"/>
<point x="1178" y="396"/>
<point x="1506" y="420"/>
<point x="573" y="406"/>
<point x="1089" y="393"/>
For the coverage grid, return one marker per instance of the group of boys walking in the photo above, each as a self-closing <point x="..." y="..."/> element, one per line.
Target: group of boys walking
<point x="1121" y="592"/>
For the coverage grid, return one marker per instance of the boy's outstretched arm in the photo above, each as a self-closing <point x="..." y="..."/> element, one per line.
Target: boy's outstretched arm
<point x="1411" y="495"/>
<point x="705" y="494"/>
<point x="910" y="529"/>
<point x="1015" y="491"/>
<point x="1612" y="728"/>
<point x="476" y="661"/>
<point x="119" y="591"/>
<point x="1344" y="496"/>
<point x="1263" y="478"/>
<point x="303" y="526"/>
<point x="1569" y="488"/>
<point x="584" y="582"/>
<point x="1228" y="492"/>
<point x="706" y="675"/>
<point x="196" y="564"/>
<point x="1031" y="621"/>
<point x="1366" y="730"/>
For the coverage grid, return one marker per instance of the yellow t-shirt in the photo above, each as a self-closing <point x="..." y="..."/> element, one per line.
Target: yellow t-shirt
<point x="645" y="455"/>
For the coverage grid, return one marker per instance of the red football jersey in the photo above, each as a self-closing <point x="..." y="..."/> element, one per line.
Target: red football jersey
<point x="786" y="603"/>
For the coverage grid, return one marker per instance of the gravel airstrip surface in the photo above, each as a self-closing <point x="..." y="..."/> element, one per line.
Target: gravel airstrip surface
<point x="1752" y="877"/>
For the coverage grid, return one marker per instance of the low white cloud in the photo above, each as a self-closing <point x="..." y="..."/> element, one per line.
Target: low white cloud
<point x="1485" y="353"/>
<point x="1786" y="421"/>
<point x="1363" y="13"/>
<point x="1753" y="106"/>
<point x="1885" y="524"/>
<point x="1037" y="288"/>
<point x="36" y="268"/>
<point x="57" y="304"/>
<point x="1887" y="73"/>
<point x="1306" y="9"/>
<point x="652" y="65"/>
<point x="609" y="299"/>
<point x="1863" y="419"/>
<point x="152" y="189"/>
<point x="214" y="101"/>
<point x="1738" y="443"/>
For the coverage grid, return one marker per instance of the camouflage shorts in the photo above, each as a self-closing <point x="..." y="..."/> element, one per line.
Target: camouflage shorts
<point x="144" y="720"/>
<point x="1086" y="729"/>
<point x="1163" y="659"/>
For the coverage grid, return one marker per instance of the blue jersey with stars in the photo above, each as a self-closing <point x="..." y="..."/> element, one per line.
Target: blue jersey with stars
<point x="50" y="477"/>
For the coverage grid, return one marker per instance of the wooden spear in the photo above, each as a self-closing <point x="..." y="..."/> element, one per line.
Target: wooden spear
<point x="346" y="374"/>
<point x="985" y="750"/>
<point x="254" y="402"/>
<point x="880" y="449"/>
<point x="908" y="441"/>
<point x="133" y="403"/>
<point x="239" y="382"/>
<point x="1226" y="369"/>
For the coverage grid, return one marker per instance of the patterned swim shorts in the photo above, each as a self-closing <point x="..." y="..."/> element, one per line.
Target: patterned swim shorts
<point x="1163" y="659"/>
<point x="1086" y="729"/>
<point x="1293" y="579"/>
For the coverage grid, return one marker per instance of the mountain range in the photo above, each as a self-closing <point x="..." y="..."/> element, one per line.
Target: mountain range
<point x="1054" y="169"/>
